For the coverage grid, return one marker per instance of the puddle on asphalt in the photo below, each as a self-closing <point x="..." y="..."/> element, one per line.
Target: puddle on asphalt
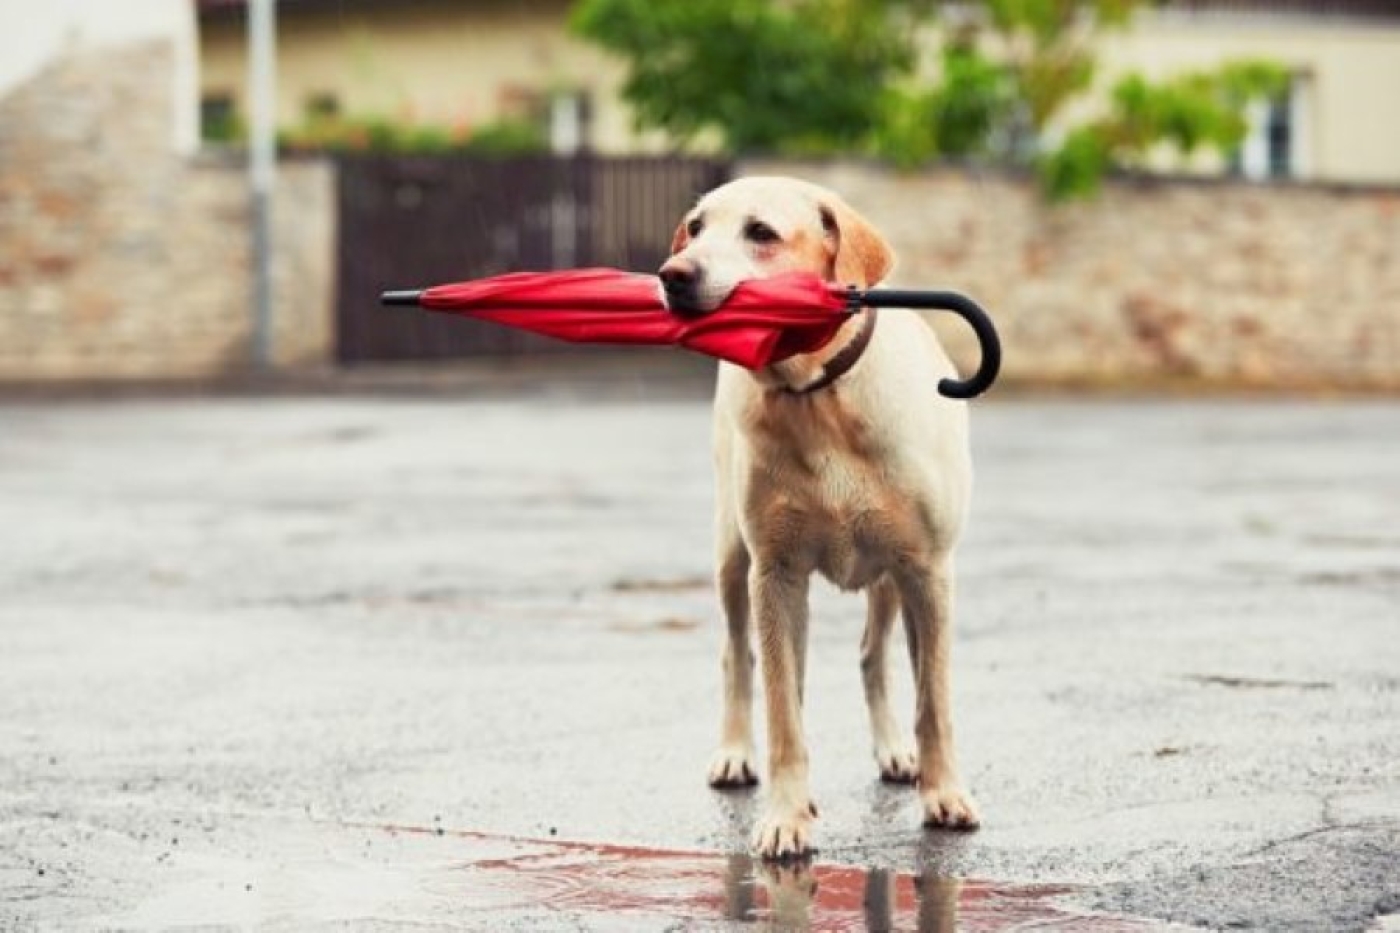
<point x="589" y="883"/>
<point x="428" y="876"/>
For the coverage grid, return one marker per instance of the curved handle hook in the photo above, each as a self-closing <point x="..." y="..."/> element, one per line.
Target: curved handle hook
<point x="965" y="308"/>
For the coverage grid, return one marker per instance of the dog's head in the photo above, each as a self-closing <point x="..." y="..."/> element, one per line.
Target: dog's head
<point x="757" y="227"/>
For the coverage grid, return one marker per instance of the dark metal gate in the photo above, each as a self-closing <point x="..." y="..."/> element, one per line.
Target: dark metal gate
<point x="411" y="221"/>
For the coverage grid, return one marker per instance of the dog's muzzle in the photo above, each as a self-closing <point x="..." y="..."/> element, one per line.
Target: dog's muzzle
<point x="680" y="287"/>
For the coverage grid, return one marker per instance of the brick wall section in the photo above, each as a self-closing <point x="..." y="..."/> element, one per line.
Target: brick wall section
<point x="120" y="259"/>
<point x="1214" y="282"/>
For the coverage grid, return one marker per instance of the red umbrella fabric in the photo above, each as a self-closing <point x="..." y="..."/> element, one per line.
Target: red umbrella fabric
<point x="763" y="321"/>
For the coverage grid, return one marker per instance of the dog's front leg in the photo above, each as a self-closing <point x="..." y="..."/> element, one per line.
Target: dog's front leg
<point x="927" y="593"/>
<point x="778" y="595"/>
<point x="733" y="762"/>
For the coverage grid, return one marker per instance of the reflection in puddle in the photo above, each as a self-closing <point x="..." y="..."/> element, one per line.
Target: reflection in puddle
<point x="590" y="882"/>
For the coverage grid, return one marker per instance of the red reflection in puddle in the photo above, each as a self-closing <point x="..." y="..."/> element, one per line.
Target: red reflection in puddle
<point x="589" y="881"/>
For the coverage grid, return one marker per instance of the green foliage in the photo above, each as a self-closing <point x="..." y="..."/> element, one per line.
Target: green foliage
<point x="958" y="118"/>
<point x="763" y="76"/>
<point x="903" y="132"/>
<point x="381" y="134"/>
<point x="1076" y="168"/>
<point x="1010" y="73"/>
<point x="223" y="127"/>
<point x="1188" y="112"/>
<point x="799" y="76"/>
<point x="1048" y="22"/>
<point x="1041" y="51"/>
<point x="507" y="137"/>
<point x="974" y="99"/>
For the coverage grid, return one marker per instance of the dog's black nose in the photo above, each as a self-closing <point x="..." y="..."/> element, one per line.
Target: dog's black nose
<point x="681" y="283"/>
<point x="678" y="279"/>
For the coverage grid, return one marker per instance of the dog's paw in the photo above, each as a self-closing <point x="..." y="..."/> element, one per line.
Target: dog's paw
<point x="898" y="765"/>
<point x="787" y="880"/>
<point x="791" y="887"/>
<point x="733" y="766"/>
<point x="948" y="806"/>
<point x="786" y="833"/>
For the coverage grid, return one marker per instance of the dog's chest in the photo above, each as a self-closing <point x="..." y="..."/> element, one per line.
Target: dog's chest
<point x="821" y="491"/>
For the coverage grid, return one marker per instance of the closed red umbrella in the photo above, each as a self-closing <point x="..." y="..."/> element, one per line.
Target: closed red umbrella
<point x="763" y="321"/>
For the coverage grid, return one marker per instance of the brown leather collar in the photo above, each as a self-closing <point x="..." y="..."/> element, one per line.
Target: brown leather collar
<point x="845" y="358"/>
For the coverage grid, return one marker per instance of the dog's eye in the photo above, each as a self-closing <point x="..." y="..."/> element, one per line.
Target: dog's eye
<point x="694" y="227"/>
<point x="760" y="232"/>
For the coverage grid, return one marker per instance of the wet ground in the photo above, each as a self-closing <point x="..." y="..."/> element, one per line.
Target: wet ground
<point x="452" y="662"/>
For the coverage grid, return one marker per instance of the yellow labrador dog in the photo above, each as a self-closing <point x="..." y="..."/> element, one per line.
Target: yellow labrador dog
<point x="846" y="462"/>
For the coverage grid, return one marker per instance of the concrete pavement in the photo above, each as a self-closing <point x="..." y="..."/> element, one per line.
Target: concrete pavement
<point x="453" y="662"/>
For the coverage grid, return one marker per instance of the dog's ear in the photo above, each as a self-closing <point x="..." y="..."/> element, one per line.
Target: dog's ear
<point x="860" y="256"/>
<point x="680" y="238"/>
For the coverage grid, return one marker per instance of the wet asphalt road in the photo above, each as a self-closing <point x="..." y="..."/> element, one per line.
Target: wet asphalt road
<point x="288" y="662"/>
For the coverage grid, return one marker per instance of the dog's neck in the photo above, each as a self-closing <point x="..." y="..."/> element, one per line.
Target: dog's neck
<point x="808" y="373"/>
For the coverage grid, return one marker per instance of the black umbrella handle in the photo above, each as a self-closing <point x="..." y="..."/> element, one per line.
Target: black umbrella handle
<point x="965" y="308"/>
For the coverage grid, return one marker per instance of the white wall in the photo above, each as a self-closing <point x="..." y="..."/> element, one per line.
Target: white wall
<point x="34" y="33"/>
<point x="1348" y="73"/>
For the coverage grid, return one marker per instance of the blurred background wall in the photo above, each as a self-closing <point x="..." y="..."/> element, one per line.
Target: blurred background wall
<point x="473" y="63"/>
<point x="43" y="32"/>
<point x="123" y="254"/>
<point x="1204" y="281"/>
<point x="463" y="65"/>
<point x="124" y="241"/>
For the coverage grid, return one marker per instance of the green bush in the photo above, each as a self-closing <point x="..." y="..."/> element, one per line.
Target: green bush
<point x="507" y="137"/>
<point x="381" y="134"/>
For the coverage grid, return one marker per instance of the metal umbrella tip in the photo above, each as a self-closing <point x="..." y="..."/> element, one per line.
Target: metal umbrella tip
<point x="402" y="297"/>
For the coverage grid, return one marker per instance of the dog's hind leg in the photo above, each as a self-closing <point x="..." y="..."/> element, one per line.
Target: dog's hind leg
<point x="893" y="754"/>
<point x="733" y="764"/>
<point x="927" y="594"/>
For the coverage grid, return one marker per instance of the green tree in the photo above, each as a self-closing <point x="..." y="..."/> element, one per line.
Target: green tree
<point x="964" y="115"/>
<point x="1047" y="49"/>
<point x="762" y="76"/>
<point x="800" y="76"/>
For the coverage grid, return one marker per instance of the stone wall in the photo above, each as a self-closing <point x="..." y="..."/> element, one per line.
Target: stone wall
<point x="120" y="258"/>
<point x="1156" y="281"/>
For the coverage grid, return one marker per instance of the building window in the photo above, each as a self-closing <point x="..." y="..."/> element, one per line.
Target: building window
<point x="532" y="120"/>
<point x="218" y="118"/>
<point x="517" y="104"/>
<point x="322" y="105"/>
<point x="1278" y="137"/>
<point x="570" y="120"/>
<point x="1273" y="141"/>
